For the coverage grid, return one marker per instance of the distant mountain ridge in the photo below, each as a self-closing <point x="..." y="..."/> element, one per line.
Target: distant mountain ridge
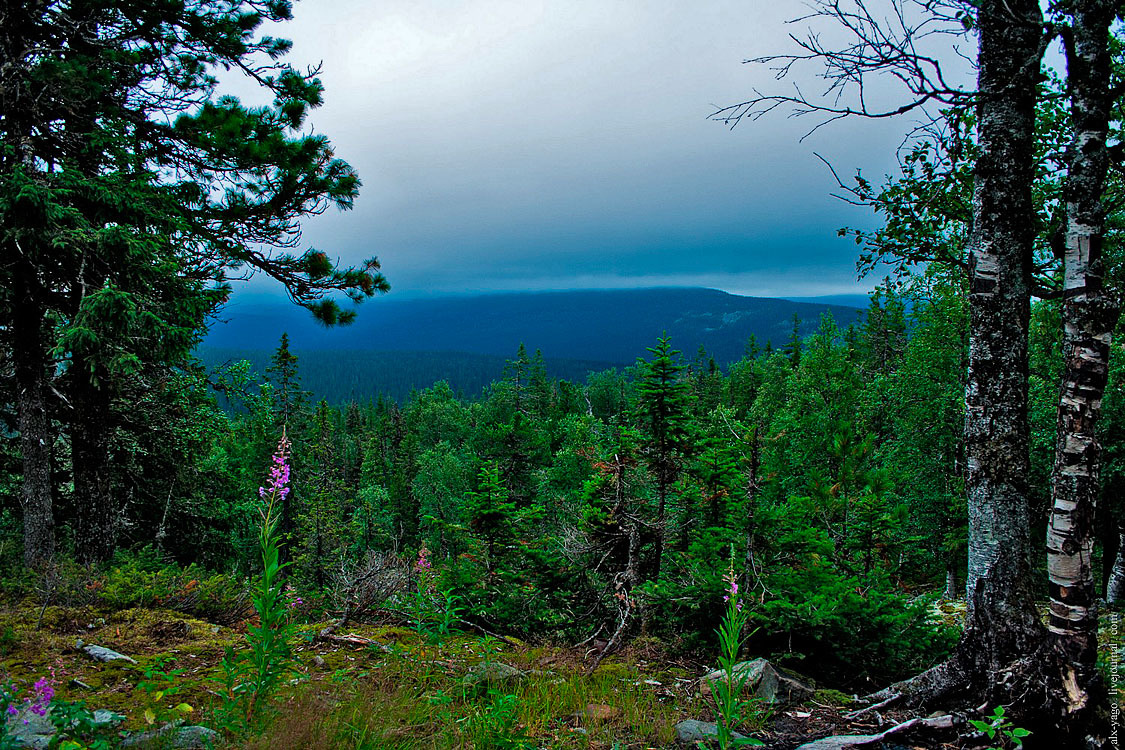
<point x="340" y="376"/>
<point x="611" y="326"/>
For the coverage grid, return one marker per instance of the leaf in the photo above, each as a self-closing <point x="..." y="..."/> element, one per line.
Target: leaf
<point x="184" y="708"/>
<point x="150" y="717"/>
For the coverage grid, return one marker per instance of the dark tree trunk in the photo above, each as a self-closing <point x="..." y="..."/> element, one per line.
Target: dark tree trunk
<point x="37" y="435"/>
<point x="1088" y="326"/>
<point x="1002" y="623"/>
<point x="95" y="521"/>
<point x="752" y="488"/>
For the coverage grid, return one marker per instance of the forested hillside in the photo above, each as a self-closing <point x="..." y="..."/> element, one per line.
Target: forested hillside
<point x="576" y="332"/>
<point x="340" y="376"/>
<point x="601" y="325"/>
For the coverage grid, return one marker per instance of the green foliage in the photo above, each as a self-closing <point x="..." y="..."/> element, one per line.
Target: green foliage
<point x="161" y="685"/>
<point x="999" y="726"/>
<point x="77" y="728"/>
<point x="143" y="579"/>
<point x="496" y="724"/>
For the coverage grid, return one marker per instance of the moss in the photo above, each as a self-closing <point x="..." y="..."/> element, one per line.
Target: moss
<point x="411" y="697"/>
<point x="832" y="698"/>
<point x="616" y="670"/>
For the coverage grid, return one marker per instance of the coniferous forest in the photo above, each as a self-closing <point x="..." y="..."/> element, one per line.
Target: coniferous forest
<point x="906" y="531"/>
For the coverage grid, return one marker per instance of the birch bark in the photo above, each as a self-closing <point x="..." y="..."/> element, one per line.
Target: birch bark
<point x="1088" y="326"/>
<point x="1003" y="624"/>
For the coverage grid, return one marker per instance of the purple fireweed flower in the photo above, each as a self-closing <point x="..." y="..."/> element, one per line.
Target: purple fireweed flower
<point x="44" y="692"/>
<point x="423" y="563"/>
<point x="12" y="710"/>
<point x="732" y="590"/>
<point x="277" y="485"/>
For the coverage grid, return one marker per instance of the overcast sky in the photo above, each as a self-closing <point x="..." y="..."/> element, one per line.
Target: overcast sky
<point x="557" y="144"/>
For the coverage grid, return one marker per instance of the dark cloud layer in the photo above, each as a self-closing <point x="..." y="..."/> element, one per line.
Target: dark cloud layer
<point x="526" y="144"/>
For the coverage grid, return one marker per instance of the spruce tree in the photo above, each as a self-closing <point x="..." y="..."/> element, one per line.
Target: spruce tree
<point x="129" y="191"/>
<point x="662" y="408"/>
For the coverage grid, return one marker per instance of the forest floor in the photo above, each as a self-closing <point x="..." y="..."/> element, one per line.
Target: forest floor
<point x="405" y="692"/>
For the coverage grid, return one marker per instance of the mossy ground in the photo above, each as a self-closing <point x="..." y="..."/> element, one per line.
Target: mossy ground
<point x="413" y="695"/>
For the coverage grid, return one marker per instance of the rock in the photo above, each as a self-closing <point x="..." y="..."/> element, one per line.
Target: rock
<point x="101" y="653"/>
<point x="490" y="672"/>
<point x="691" y="731"/>
<point x="319" y="662"/>
<point x="763" y="680"/>
<point x="103" y="716"/>
<point x="181" y="738"/>
<point x="29" y="729"/>
<point x="841" y="742"/>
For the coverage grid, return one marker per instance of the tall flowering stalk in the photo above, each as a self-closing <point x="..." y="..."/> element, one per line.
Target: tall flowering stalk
<point x="434" y="613"/>
<point x="270" y="656"/>
<point x="728" y="689"/>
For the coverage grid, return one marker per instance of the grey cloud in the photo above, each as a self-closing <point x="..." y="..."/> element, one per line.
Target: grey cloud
<point x="542" y="144"/>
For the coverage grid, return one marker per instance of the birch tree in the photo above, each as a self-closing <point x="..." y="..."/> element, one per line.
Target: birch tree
<point x="1005" y="655"/>
<point x="1088" y="319"/>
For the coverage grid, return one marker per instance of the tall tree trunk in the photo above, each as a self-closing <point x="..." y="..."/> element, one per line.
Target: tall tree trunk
<point x="37" y="435"/>
<point x="661" y="529"/>
<point x="1088" y="329"/>
<point x="951" y="587"/>
<point x="752" y="488"/>
<point x="1002" y="626"/>
<point x="95" y="521"/>
<point x="1002" y="621"/>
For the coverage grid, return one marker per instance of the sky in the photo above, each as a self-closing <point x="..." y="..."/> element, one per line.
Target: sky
<point x="560" y="144"/>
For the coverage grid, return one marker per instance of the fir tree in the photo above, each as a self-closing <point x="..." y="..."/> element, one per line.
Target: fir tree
<point x="662" y="407"/>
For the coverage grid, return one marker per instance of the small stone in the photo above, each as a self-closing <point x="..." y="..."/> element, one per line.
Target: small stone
<point x="101" y="653"/>
<point x="691" y="731"/>
<point x="180" y="738"/>
<point x="105" y="717"/>
<point x="491" y="672"/>
<point x="319" y="662"/>
<point x="763" y="680"/>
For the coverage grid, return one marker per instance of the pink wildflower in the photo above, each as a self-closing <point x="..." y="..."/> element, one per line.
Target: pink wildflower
<point x="423" y="562"/>
<point x="732" y="590"/>
<point x="278" y="483"/>
<point x="44" y="692"/>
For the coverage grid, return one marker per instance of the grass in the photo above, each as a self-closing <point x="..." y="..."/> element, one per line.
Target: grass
<point x="415" y="696"/>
